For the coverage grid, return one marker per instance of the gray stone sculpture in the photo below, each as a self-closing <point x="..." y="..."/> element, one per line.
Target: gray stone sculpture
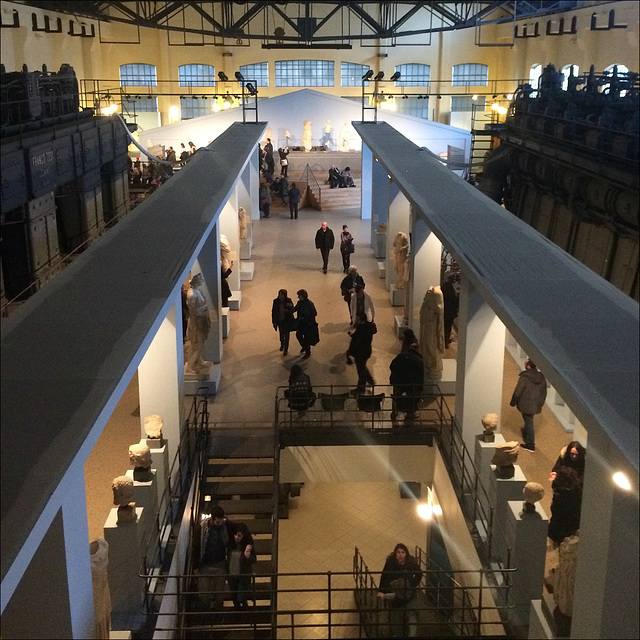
<point x="532" y="493"/>
<point x="99" y="550"/>
<point x="490" y="424"/>
<point x="225" y="252"/>
<point x="432" y="333"/>
<point x="560" y="582"/>
<point x="153" y="430"/>
<point x="306" y="135"/>
<point x="401" y="259"/>
<point x="198" y="328"/>
<point x="123" y="497"/>
<point x="140" y="458"/>
<point x="504" y="458"/>
<point x="243" y="222"/>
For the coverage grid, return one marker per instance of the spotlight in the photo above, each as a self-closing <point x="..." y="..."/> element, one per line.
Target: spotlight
<point x="367" y="76"/>
<point x="239" y="76"/>
<point x="395" y="76"/>
<point x="404" y="97"/>
<point x="475" y="96"/>
<point x="379" y="76"/>
<point x="510" y="96"/>
<point x="495" y="95"/>
<point x="223" y="76"/>
<point x="439" y="97"/>
<point x="251" y="89"/>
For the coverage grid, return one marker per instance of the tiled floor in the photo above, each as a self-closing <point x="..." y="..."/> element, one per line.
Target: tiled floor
<point x="322" y="532"/>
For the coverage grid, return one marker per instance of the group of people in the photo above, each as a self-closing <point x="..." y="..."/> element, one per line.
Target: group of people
<point x="280" y="188"/>
<point x="304" y="323"/>
<point x="339" y="178"/>
<point x="325" y="241"/>
<point x="223" y="552"/>
<point x="267" y="162"/>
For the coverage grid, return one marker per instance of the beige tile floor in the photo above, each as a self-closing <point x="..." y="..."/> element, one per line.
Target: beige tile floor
<point x="285" y="257"/>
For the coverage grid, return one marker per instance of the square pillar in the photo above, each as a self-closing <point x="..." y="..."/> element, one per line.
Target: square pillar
<point x="367" y="182"/>
<point x="480" y="363"/>
<point x="398" y="219"/>
<point x="229" y="226"/>
<point x="379" y="199"/>
<point x="247" y="187"/>
<point x="161" y="377"/>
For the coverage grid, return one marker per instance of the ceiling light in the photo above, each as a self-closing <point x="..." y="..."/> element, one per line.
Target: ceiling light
<point x="495" y="106"/>
<point x="621" y="480"/>
<point x="509" y="96"/>
<point x="475" y="96"/>
<point x="425" y="511"/>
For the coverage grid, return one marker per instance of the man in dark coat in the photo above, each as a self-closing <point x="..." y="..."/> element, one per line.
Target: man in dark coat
<point x="349" y="283"/>
<point x="324" y="243"/>
<point x="407" y="378"/>
<point x="294" y="201"/>
<point x="307" y="332"/>
<point x="529" y="396"/>
<point x="360" y="351"/>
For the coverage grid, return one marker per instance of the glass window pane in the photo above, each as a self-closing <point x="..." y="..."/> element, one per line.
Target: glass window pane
<point x="197" y="75"/>
<point x="470" y="75"/>
<point x="132" y="104"/>
<point x="258" y="73"/>
<point x="191" y="107"/>
<point x="138" y="75"/>
<point x="466" y="103"/>
<point x="304" y="73"/>
<point x="414" y="75"/>
<point x="351" y="74"/>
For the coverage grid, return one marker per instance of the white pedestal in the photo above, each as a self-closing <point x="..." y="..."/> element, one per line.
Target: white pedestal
<point x="398" y="325"/>
<point x="446" y="384"/>
<point x="482" y="456"/>
<point x="246" y="246"/>
<point x="145" y="495"/>
<point x="124" y="562"/>
<point x="246" y="270"/>
<point x="235" y="300"/>
<point x="501" y="491"/>
<point x="224" y="316"/>
<point x="527" y="537"/>
<point x="382" y="269"/>
<point x="396" y="296"/>
<point x="160" y="462"/>
<point x="209" y="384"/>
<point x="380" y="244"/>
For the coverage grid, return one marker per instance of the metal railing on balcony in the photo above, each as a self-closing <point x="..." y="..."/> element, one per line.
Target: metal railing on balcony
<point x="313" y="185"/>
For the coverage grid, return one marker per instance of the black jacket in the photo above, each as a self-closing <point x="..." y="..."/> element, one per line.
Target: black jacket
<point x="287" y="322"/>
<point x="407" y="368"/>
<point x="348" y="283"/>
<point x="306" y="311"/>
<point x="325" y="239"/>
<point x="401" y="579"/>
<point x="361" y="340"/>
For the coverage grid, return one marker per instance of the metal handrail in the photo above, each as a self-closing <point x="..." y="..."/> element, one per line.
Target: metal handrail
<point x="308" y="171"/>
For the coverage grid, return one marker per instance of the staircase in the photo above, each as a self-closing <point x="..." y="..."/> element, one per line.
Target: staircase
<point x="240" y="478"/>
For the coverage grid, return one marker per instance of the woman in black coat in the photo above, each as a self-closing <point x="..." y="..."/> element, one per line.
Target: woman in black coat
<point x="307" y="332"/>
<point x="282" y="319"/>
<point x="240" y="557"/>
<point x="565" y="505"/>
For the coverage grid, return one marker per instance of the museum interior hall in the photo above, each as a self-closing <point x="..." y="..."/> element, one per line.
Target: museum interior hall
<point x="457" y="374"/>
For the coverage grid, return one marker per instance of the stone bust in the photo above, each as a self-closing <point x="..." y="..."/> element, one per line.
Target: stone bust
<point x="533" y="492"/>
<point x="140" y="458"/>
<point x="490" y="424"/>
<point x="504" y="458"/>
<point x="123" y="497"/>
<point x="153" y="429"/>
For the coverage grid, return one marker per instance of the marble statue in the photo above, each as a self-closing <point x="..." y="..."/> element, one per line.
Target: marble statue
<point x="99" y="550"/>
<point x="560" y="581"/>
<point x="432" y="333"/>
<point x="225" y="252"/>
<point x="345" y="136"/>
<point x="198" y="327"/>
<point x="401" y="259"/>
<point x="153" y="429"/>
<point x="140" y="459"/>
<point x="243" y="222"/>
<point x="123" y="497"/>
<point x="532" y="493"/>
<point x="306" y="136"/>
<point x="504" y="458"/>
<point x="490" y="424"/>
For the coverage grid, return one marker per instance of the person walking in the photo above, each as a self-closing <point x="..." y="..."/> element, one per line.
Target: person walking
<point x="360" y="351"/>
<point x="294" y="201"/>
<point x="348" y="285"/>
<point x="307" y="332"/>
<point x="565" y="505"/>
<point x="399" y="581"/>
<point x="346" y="247"/>
<point x="528" y="397"/>
<point x="240" y="557"/>
<point x="574" y="456"/>
<point x="324" y="243"/>
<point x="284" y="189"/>
<point x="361" y="305"/>
<point x="282" y="319"/>
<point x="407" y="378"/>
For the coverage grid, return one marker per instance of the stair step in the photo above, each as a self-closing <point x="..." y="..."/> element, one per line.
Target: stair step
<point x="263" y="567"/>
<point x="242" y="488"/>
<point x="242" y="507"/>
<point x="262" y="547"/>
<point x="262" y="526"/>
<point x="243" y="469"/>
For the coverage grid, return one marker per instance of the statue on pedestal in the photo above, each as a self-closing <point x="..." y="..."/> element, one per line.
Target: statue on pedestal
<point x="560" y="581"/>
<point x="306" y="135"/>
<point x="504" y="458"/>
<point x="99" y="550"/>
<point x="123" y="497"/>
<point x="401" y="259"/>
<point x="532" y="493"/>
<point x="345" y="136"/>
<point x="432" y="333"/>
<point x="198" y="327"/>
<point x="140" y="459"/>
<point x="243" y="222"/>
<point x="225" y="252"/>
<point x="153" y="430"/>
<point x="490" y="424"/>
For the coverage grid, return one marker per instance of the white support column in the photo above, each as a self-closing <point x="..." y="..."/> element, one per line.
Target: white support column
<point x="606" y="587"/>
<point x="77" y="555"/>
<point x="379" y="201"/>
<point x="244" y="191"/>
<point x="208" y="264"/>
<point x="161" y="377"/>
<point x="251" y="181"/>
<point x="480" y="368"/>
<point x="397" y="220"/>
<point x="426" y="252"/>
<point x="230" y="227"/>
<point x="367" y="181"/>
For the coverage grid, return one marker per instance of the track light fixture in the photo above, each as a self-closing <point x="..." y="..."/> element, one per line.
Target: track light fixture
<point x="368" y="75"/>
<point x="395" y="76"/>
<point x="379" y="76"/>
<point x="239" y="76"/>
<point x="223" y="76"/>
<point x="251" y="89"/>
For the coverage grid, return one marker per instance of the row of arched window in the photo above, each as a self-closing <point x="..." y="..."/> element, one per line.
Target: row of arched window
<point x="304" y="73"/>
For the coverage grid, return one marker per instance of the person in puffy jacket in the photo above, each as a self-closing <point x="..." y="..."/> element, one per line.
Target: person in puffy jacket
<point x="528" y="397"/>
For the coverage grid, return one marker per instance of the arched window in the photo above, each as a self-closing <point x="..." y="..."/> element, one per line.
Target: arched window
<point x="197" y="75"/>
<point x="566" y="72"/>
<point x="620" y="69"/>
<point x="470" y="75"/>
<point x="534" y="78"/>
<point x="138" y="75"/>
<point x="258" y="72"/>
<point x="351" y="74"/>
<point x="414" y="75"/>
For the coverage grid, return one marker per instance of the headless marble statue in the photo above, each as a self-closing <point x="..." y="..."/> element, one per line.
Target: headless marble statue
<point x="99" y="550"/>
<point x="401" y="259"/>
<point x="198" y="327"/>
<point x="306" y="135"/>
<point x="432" y="332"/>
<point x="225" y="252"/>
<point x="242" y="221"/>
